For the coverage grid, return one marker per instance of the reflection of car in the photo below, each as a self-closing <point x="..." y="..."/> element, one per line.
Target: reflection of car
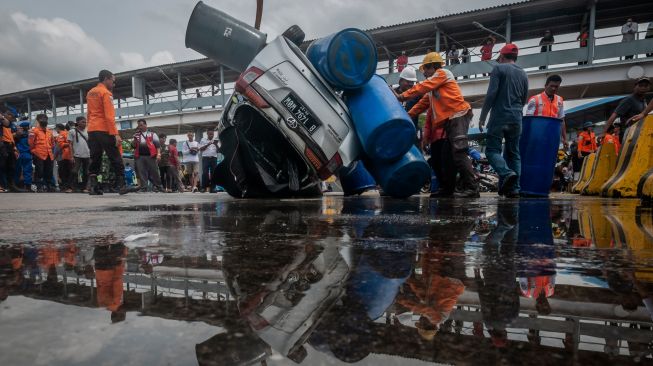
<point x="296" y="129"/>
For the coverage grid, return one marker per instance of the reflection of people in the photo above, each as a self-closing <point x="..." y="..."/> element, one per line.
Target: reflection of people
<point x="109" y="269"/>
<point x="497" y="290"/>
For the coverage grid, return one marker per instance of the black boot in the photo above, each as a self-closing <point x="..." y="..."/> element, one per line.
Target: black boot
<point x="12" y="186"/>
<point x="95" y="186"/>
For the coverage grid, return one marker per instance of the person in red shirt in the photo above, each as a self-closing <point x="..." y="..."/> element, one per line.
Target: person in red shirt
<point x="582" y="38"/>
<point x="402" y="61"/>
<point x="173" y="169"/>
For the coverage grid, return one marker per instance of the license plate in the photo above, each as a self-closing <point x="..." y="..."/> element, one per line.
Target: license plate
<point x="301" y="113"/>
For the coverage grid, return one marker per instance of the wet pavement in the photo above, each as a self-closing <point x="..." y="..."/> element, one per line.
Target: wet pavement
<point x="373" y="281"/>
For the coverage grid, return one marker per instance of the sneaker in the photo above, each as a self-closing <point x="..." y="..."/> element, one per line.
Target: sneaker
<point x="33" y="188"/>
<point x="508" y="182"/>
<point x="194" y="189"/>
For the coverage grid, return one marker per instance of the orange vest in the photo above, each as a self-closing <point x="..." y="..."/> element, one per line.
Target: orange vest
<point x="441" y="93"/>
<point x="41" y="143"/>
<point x="7" y="135"/>
<point x="587" y="142"/>
<point x="62" y="142"/>
<point x="612" y="139"/>
<point x="545" y="107"/>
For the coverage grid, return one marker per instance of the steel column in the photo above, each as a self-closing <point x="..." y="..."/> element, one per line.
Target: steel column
<point x="179" y="91"/>
<point x="29" y="109"/>
<point x="81" y="100"/>
<point x="54" y="107"/>
<point x="592" y="39"/>
<point x="437" y="40"/>
<point x="224" y="98"/>
<point x="509" y="28"/>
<point x="144" y="98"/>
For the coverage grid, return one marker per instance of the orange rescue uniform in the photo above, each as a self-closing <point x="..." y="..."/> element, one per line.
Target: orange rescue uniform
<point x="541" y="105"/>
<point x="612" y="139"/>
<point x="64" y="146"/>
<point x="441" y="94"/>
<point x="587" y="142"/>
<point x="41" y="143"/>
<point x="101" y="115"/>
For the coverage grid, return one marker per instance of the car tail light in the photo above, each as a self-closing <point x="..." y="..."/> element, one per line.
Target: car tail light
<point x="331" y="167"/>
<point x="244" y="86"/>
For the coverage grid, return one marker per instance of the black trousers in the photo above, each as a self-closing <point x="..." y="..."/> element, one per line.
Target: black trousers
<point x="163" y="173"/>
<point x="456" y="130"/>
<point x="43" y="172"/>
<point x="8" y="162"/>
<point x="80" y="167"/>
<point x="441" y="162"/>
<point x="147" y="170"/>
<point x="102" y="142"/>
<point x="65" y="168"/>
<point x="208" y="169"/>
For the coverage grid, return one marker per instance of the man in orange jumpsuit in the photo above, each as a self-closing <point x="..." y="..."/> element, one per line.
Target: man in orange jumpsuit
<point x="41" y="141"/>
<point x="103" y="135"/>
<point x="109" y="270"/>
<point x="66" y="162"/>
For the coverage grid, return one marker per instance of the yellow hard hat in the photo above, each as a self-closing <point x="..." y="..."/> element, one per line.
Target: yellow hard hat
<point x="431" y="58"/>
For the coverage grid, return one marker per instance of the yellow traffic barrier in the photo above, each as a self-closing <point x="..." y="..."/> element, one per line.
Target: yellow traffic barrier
<point x="602" y="170"/>
<point x="635" y="159"/>
<point x="633" y="230"/>
<point x="585" y="172"/>
<point x="645" y="188"/>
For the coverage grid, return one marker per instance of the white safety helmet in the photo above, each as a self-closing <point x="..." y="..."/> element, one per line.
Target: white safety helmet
<point x="409" y="74"/>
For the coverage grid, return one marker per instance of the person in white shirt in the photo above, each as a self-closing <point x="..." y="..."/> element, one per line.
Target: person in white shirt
<point x="78" y="141"/>
<point x="191" y="159"/>
<point x="629" y="32"/>
<point x="209" y="147"/>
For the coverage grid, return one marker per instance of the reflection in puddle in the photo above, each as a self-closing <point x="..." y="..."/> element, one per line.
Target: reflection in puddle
<point x="324" y="281"/>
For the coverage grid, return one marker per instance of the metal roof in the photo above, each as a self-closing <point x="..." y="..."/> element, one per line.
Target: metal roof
<point x="529" y="21"/>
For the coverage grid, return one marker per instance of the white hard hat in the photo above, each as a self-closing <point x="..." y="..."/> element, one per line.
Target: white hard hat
<point x="409" y="74"/>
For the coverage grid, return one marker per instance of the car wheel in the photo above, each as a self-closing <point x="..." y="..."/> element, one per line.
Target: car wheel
<point x="295" y="35"/>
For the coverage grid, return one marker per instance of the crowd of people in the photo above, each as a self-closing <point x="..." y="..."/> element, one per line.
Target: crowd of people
<point x="86" y="156"/>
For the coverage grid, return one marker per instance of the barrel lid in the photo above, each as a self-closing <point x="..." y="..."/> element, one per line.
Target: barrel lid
<point x="352" y="57"/>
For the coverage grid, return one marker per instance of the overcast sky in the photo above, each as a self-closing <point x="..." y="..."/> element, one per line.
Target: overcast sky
<point x="47" y="42"/>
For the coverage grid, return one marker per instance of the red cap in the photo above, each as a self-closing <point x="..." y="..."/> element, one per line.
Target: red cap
<point x="509" y="48"/>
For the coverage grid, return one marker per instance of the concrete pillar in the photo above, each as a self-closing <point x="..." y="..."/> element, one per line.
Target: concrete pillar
<point x="592" y="39"/>
<point x="391" y="66"/>
<point x="179" y="91"/>
<point x="118" y="111"/>
<point x="81" y="100"/>
<point x="224" y="97"/>
<point x="29" y="110"/>
<point x="213" y="91"/>
<point x="67" y="110"/>
<point x="144" y="98"/>
<point x="509" y="28"/>
<point x="54" y="107"/>
<point x="437" y="40"/>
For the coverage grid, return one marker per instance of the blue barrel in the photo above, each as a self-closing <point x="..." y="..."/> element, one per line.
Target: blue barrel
<point x="347" y="59"/>
<point x="384" y="129"/>
<point x="540" y="140"/>
<point x="355" y="179"/>
<point x="404" y="177"/>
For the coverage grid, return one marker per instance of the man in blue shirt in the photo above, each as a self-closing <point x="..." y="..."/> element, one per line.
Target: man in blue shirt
<point x="24" y="164"/>
<point x="506" y="96"/>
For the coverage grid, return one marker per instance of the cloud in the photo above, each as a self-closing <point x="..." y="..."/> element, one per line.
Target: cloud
<point x="41" y="51"/>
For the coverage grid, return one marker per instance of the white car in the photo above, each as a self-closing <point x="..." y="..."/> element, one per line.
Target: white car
<point x="297" y="128"/>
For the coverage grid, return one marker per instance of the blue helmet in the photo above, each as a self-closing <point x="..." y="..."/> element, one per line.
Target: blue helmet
<point x="24" y="124"/>
<point x="587" y="125"/>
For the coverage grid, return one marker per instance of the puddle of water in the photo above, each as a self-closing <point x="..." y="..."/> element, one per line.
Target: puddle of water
<point x="369" y="280"/>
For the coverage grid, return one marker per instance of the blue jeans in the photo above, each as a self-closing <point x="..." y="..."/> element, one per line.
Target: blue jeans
<point x="510" y="162"/>
<point x="24" y="166"/>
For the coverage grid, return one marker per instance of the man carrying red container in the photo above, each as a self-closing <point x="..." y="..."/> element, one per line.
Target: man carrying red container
<point x="441" y="94"/>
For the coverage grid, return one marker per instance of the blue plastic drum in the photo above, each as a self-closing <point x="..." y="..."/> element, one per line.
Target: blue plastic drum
<point x="405" y="177"/>
<point x="347" y="59"/>
<point x="384" y="129"/>
<point x="540" y="140"/>
<point x="355" y="179"/>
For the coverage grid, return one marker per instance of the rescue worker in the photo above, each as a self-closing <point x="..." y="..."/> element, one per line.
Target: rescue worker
<point x="8" y="155"/>
<point x="506" y="96"/>
<point x="146" y="152"/>
<point x="24" y="166"/>
<point x="549" y="104"/>
<point x="441" y="94"/>
<point x="440" y="161"/>
<point x="586" y="142"/>
<point x="66" y="163"/>
<point x="41" y="142"/>
<point x="109" y="271"/>
<point x="407" y="80"/>
<point x="103" y="135"/>
<point x="612" y="137"/>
